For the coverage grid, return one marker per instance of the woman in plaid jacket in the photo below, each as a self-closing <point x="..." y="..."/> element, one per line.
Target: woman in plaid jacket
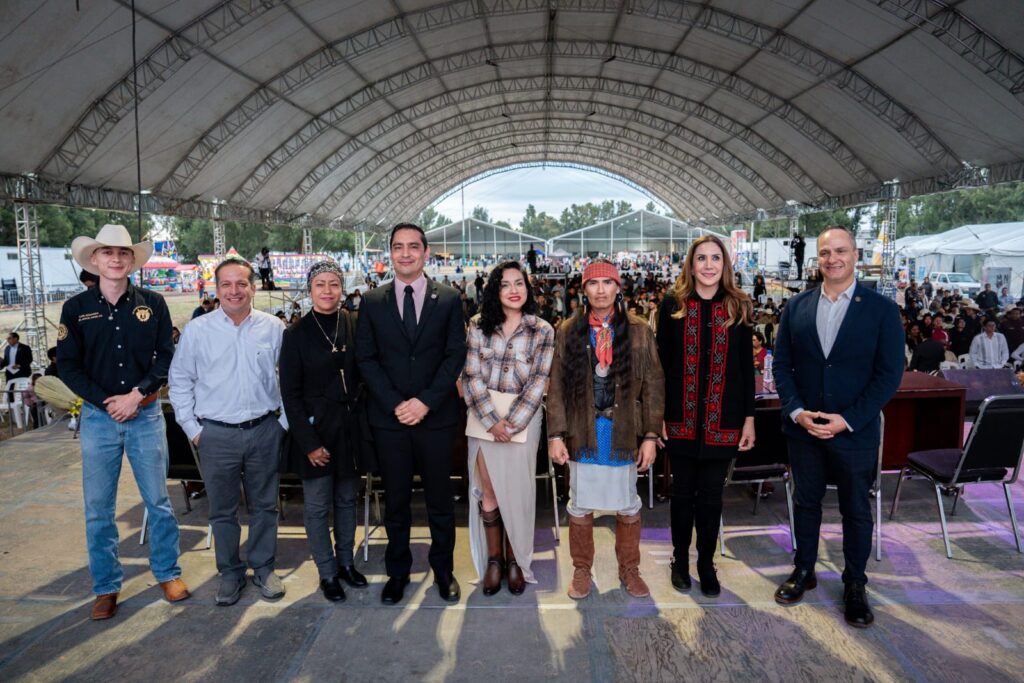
<point x="509" y="351"/>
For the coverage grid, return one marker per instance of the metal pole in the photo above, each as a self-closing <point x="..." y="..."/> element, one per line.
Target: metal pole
<point x="887" y="233"/>
<point x="218" y="239"/>
<point x="33" y="296"/>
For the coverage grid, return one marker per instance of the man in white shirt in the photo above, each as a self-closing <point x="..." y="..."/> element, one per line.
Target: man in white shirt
<point x="989" y="349"/>
<point x="224" y="389"/>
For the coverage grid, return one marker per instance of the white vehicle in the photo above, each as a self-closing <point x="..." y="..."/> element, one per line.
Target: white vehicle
<point x="950" y="281"/>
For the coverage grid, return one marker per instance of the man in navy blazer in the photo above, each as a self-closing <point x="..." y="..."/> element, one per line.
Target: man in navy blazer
<point x="410" y="348"/>
<point x="838" y="360"/>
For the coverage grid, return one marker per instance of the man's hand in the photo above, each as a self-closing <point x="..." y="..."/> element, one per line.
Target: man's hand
<point x="747" y="435"/>
<point x="806" y="420"/>
<point x="125" y="406"/>
<point x="836" y="423"/>
<point x="557" y="451"/>
<point x="320" y="457"/>
<point x="195" y="439"/>
<point x="411" y="412"/>
<point x="646" y="454"/>
<point x="501" y="431"/>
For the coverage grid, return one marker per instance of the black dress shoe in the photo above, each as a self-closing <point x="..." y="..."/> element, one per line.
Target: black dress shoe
<point x="394" y="589"/>
<point x="857" y="612"/>
<point x="708" y="578"/>
<point x="352" y="577"/>
<point x="681" y="577"/>
<point x="448" y="587"/>
<point x="332" y="589"/>
<point x="792" y="590"/>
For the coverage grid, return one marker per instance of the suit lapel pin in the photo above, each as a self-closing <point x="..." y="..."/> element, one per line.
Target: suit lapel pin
<point x="857" y="299"/>
<point x="434" y="295"/>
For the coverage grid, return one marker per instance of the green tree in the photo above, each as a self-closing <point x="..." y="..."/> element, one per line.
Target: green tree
<point x="429" y="218"/>
<point x="481" y="214"/>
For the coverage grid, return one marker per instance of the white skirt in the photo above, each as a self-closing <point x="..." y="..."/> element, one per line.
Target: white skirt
<point x="513" y="470"/>
<point x="600" y="488"/>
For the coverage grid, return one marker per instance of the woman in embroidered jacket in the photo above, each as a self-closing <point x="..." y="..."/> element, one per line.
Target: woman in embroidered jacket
<point x="509" y="351"/>
<point x="705" y="343"/>
<point x="605" y="408"/>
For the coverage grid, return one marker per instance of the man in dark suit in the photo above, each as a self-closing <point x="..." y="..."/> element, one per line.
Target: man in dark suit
<point x="928" y="355"/>
<point x="17" y="358"/>
<point x="410" y="348"/>
<point x="838" y="360"/>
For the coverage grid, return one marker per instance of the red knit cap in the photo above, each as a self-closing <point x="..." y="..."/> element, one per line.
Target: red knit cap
<point x="601" y="269"/>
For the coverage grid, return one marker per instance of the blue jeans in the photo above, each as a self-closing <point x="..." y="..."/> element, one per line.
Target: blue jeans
<point x="103" y="443"/>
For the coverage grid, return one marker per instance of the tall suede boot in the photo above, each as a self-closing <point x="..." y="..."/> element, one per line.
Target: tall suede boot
<point x="516" y="578"/>
<point x="581" y="548"/>
<point x="627" y="551"/>
<point x="494" y="531"/>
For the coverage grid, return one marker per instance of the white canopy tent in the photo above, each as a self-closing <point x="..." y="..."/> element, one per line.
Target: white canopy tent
<point x="991" y="253"/>
<point x="473" y="238"/>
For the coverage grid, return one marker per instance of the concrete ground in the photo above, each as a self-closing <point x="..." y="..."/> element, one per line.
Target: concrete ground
<point x="936" y="619"/>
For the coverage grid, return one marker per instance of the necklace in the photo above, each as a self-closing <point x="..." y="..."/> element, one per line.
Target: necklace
<point x="109" y="309"/>
<point x="337" y="326"/>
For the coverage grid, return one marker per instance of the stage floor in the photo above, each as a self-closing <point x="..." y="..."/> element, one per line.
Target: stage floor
<point x="936" y="619"/>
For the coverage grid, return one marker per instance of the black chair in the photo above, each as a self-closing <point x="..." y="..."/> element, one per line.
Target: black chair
<point x="768" y="461"/>
<point x="994" y="449"/>
<point x="183" y="466"/>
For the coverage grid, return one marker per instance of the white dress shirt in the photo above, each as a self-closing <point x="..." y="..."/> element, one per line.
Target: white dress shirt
<point x="989" y="352"/>
<point x="226" y="372"/>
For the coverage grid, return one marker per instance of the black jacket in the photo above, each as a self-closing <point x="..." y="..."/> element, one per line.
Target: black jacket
<point x="709" y="377"/>
<point x="396" y="368"/>
<point x="22" y="358"/>
<point x="928" y="355"/>
<point x="322" y="403"/>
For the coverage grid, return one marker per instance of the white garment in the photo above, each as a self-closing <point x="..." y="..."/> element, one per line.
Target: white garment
<point x="226" y="372"/>
<point x="600" y="488"/>
<point x="989" y="352"/>
<point x="512" y="468"/>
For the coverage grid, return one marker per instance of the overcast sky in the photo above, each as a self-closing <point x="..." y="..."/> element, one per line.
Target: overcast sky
<point x="550" y="190"/>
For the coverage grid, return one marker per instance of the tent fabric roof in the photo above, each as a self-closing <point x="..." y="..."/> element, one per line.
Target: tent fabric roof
<point x="367" y="111"/>
<point x="995" y="239"/>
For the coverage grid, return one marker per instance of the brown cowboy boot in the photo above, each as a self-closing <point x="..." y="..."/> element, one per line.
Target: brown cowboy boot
<point x="493" y="531"/>
<point x="516" y="578"/>
<point x="627" y="551"/>
<point x="581" y="548"/>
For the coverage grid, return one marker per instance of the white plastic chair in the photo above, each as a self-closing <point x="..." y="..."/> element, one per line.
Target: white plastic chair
<point x="965" y="361"/>
<point x="15" y="405"/>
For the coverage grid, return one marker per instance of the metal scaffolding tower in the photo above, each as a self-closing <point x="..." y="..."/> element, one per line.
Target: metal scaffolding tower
<point x="887" y="233"/>
<point x="33" y="297"/>
<point x="218" y="239"/>
<point x="307" y="240"/>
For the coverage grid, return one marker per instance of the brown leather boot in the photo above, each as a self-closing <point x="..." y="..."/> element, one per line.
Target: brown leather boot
<point x="104" y="607"/>
<point x="494" y="531"/>
<point x="581" y="548"/>
<point x="516" y="578"/>
<point x="627" y="551"/>
<point x="175" y="590"/>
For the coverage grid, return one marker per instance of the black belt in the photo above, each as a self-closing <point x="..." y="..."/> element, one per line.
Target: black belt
<point x="248" y="424"/>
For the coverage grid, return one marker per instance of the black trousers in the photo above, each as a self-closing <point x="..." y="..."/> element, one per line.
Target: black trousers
<point x="402" y="454"/>
<point x="814" y="466"/>
<point x="696" y="503"/>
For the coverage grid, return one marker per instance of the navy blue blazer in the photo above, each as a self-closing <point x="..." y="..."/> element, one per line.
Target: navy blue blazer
<point x="861" y="373"/>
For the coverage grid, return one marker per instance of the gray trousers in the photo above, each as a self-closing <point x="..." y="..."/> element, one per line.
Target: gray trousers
<point x="227" y="458"/>
<point x="319" y="496"/>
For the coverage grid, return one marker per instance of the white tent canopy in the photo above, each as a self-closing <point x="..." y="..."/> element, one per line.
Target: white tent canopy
<point x="473" y="238"/>
<point x="992" y="253"/>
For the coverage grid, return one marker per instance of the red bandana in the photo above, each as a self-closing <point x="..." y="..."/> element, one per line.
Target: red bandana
<point x="602" y="339"/>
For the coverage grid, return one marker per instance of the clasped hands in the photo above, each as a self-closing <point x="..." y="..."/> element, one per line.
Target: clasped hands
<point x="834" y="423"/>
<point x="320" y="457"/>
<point x="125" y="406"/>
<point x="502" y="431"/>
<point x="411" y="411"/>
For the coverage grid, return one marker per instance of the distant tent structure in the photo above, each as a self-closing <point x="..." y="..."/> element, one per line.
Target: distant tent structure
<point x="474" y="238"/>
<point x="991" y="253"/>
<point x="638" y="231"/>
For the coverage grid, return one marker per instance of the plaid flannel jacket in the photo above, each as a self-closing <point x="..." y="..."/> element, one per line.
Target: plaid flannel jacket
<point x="517" y="365"/>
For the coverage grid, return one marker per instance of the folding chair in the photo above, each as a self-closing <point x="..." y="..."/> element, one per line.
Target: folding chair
<point x="994" y="449"/>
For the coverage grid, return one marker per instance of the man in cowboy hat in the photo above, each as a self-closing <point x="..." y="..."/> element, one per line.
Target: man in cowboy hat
<point x="114" y="349"/>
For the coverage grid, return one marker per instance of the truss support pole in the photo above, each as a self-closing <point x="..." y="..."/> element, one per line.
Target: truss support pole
<point x="307" y="240"/>
<point x="887" y="209"/>
<point x="218" y="239"/>
<point x="33" y="297"/>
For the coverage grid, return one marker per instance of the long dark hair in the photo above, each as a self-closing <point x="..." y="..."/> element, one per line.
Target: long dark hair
<point x="576" y="361"/>
<point x="492" y="315"/>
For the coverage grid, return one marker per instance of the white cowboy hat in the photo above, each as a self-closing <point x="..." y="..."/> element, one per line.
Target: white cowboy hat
<point x="109" y="236"/>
